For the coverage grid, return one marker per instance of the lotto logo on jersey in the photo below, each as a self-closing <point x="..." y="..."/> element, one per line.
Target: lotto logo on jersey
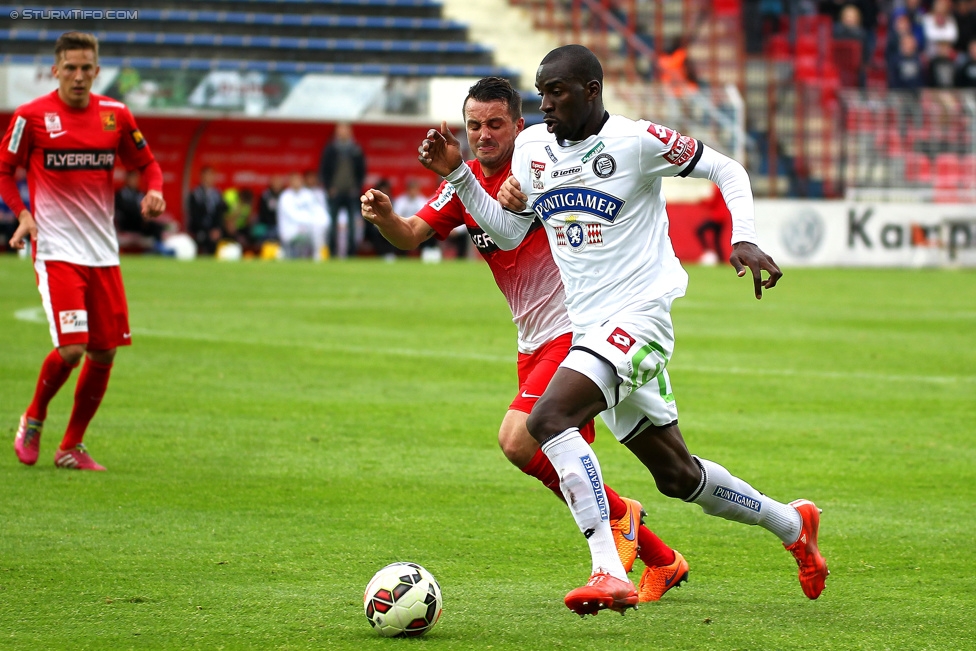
<point x="661" y="133"/>
<point x="73" y="321"/>
<point x="681" y="151"/>
<point x="621" y="340"/>
<point x="69" y="161"/>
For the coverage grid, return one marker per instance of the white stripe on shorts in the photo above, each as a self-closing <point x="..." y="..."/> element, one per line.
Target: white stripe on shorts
<point x="42" y="286"/>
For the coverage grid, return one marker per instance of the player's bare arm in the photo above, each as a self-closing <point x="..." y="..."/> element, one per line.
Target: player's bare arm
<point x="747" y="254"/>
<point x="26" y="228"/>
<point x="402" y="232"/>
<point x="510" y="195"/>
<point x="440" y="152"/>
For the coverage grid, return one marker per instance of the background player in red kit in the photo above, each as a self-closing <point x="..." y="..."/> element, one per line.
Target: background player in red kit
<point x="68" y="140"/>
<point x="529" y="279"/>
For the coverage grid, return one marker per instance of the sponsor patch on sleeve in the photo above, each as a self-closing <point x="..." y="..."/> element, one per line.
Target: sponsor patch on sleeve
<point x="663" y="134"/>
<point x="445" y="196"/>
<point x="681" y="151"/>
<point x="138" y="138"/>
<point x="17" y="134"/>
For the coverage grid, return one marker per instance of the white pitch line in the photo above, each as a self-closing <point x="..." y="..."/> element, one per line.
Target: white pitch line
<point x="36" y="315"/>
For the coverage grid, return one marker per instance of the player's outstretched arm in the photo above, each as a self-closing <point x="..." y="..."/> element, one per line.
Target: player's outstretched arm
<point x="26" y="228"/>
<point x="747" y="254"/>
<point x="402" y="232"/>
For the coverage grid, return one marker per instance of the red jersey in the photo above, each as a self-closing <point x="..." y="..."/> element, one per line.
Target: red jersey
<point x="526" y="275"/>
<point x="70" y="155"/>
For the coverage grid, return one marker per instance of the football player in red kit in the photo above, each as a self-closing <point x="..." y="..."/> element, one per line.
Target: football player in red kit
<point x="68" y="141"/>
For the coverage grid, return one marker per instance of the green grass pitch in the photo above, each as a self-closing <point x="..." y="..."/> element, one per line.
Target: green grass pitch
<point x="279" y="431"/>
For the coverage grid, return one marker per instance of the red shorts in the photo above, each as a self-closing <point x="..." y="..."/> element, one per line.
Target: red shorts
<point x="84" y="305"/>
<point x="536" y="370"/>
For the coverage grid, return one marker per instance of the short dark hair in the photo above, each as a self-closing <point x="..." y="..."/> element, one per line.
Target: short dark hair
<point x="491" y="89"/>
<point x="75" y="41"/>
<point x="584" y="65"/>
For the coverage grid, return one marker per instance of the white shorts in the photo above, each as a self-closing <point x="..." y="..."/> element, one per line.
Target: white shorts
<point x="627" y="358"/>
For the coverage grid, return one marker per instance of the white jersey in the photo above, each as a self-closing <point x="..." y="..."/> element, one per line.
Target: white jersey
<point x="604" y="211"/>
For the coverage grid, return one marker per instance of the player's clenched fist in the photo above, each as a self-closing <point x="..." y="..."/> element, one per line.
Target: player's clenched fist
<point x="511" y="196"/>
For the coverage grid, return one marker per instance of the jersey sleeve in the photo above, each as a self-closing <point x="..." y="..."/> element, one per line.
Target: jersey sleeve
<point x="444" y="212"/>
<point x="17" y="141"/>
<point x="14" y="152"/>
<point x="133" y="148"/>
<point x="665" y="152"/>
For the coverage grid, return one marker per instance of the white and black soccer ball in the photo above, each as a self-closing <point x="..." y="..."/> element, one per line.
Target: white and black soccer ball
<point x="402" y="600"/>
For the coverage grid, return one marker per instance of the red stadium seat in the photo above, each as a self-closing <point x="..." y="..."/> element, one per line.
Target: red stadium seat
<point x="918" y="168"/>
<point x="948" y="170"/>
<point x="846" y="55"/>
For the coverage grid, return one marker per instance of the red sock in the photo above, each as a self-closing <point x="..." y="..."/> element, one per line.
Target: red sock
<point x="54" y="373"/>
<point x="541" y="468"/>
<point x="651" y="550"/>
<point x="92" y="383"/>
<point x="617" y="507"/>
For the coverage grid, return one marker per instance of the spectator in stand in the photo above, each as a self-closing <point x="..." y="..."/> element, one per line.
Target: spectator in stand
<point x="239" y="215"/>
<point x="131" y="225"/>
<point x="941" y="70"/>
<point x="302" y="220"/>
<point x="966" y="74"/>
<point x="848" y="28"/>
<point x="266" y="226"/>
<point x="848" y="24"/>
<point x="940" y="25"/>
<point x="343" y="172"/>
<point x="966" y="23"/>
<point x="206" y="210"/>
<point x="913" y="10"/>
<point x="905" y="69"/>
<point x="312" y="183"/>
<point x="900" y="25"/>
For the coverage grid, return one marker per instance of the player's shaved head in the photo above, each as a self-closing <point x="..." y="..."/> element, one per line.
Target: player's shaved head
<point x="577" y="62"/>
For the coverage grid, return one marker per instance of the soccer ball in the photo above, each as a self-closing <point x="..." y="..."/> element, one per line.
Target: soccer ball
<point x="402" y="600"/>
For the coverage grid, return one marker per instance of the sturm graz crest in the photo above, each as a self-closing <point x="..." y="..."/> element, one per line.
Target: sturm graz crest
<point x="604" y="166"/>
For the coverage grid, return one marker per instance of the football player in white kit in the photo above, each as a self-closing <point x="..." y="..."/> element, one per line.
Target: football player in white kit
<point x="594" y="179"/>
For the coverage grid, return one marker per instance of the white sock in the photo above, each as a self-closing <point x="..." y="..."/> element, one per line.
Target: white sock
<point x="726" y="496"/>
<point x="581" y="482"/>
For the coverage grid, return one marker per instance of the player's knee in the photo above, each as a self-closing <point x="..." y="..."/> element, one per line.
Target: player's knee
<point x="678" y="480"/>
<point x="516" y="443"/>
<point x="544" y="423"/>
<point x="103" y="356"/>
<point x="72" y="353"/>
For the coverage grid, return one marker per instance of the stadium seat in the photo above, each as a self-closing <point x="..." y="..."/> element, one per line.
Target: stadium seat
<point x="918" y="168"/>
